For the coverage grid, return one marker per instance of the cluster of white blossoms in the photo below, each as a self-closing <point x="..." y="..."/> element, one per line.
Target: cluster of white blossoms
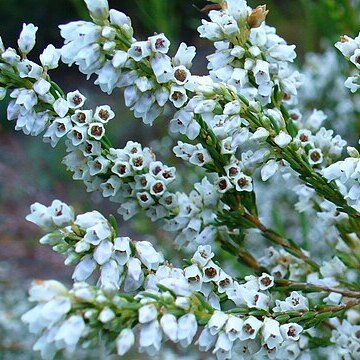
<point x="90" y="242"/>
<point x="350" y="48"/>
<point x="249" y="54"/>
<point x="322" y="85"/>
<point x="243" y="125"/>
<point x="164" y="307"/>
<point x="347" y="336"/>
<point x="346" y="175"/>
<point x="38" y="105"/>
<point x="150" y="78"/>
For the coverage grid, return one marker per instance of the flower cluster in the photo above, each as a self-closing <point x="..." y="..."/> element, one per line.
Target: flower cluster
<point x="350" y="48"/>
<point x="150" y="78"/>
<point x="346" y="336"/>
<point x="166" y="309"/>
<point x="345" y="174"/>
<point x="249" y="54"/>
<point x="90" y="242"/>
<point x="245" y="126"/>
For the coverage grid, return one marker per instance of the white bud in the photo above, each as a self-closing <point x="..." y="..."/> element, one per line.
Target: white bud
<point x="106" y="315"/>
<point x="50" y="57"/>
<point x="269" y="169"/>
<point x="147" y="313"/>
<point x="61" y="107"/>
<point x="283" y="139"/>
<point x="125" y="341"/>
<point x="99" y="9"/>
<point x="27" y="38"/>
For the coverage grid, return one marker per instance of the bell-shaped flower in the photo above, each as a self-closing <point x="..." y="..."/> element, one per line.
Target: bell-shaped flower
<point x="170" y="326"/>
<point x="27" y="38"/>
<point x="125" y="341"/>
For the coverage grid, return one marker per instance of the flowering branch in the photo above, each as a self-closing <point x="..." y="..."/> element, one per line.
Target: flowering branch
<point x="240" y="123"/>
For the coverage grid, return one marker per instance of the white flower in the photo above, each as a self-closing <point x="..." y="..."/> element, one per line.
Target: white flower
<point x="104" y="114"/>
<point x="347" y="45"/>
<point x="150" y="338"/>
<point x="269" y="169"/>
<point x="211" y="272"/>
<point x="200" y="157"/>
<point x="217" y="322"/>
<point x="50" y="57"/>
<point x="233" y="327"/>
<point x="250" y="328"/>
<point x="161" y="65"/>
<point x="265" y="281"/>
<point x="261" y="72"/>
<point x="41" y="87"/>
<point x="10" y="56"/>
<point x="203" y="255"/>
<point x="352" y="83"/>
<point x="61" y="107"/>
<point x="75" y="99"/>
<point x="139" y="50"/>
<point x="184" y="55"/>
<point x="99" y="9"/>
<point x="134" y="269"/>
<point x="242" y="182"/>
<point x="96" y="130"/>
<point x="181" y="74"/>
<point x="97" y="232"/>
<point x="43" y="291"/>
<point x="178" y="96"/>
<point x="84" y="269"/>
<point x="291" y="331"/>
<point x="271" y="333"/>
<point x="40" y="215"/>
<point x="71" y="331"/>
<point x="110" y="274"/>
<point x="159" y="43"/>
<point x="223" y="347"/>
<point x="120" y="19"/>
<point x="283" y="139"/>
<point x="194" y="277"/>
<point x="295" y="301"/>
<point x="27" y="39"/>
<point x="355" y="58"/>
<point x="187" y="328"/>
<point x="103" y="252"/>
<point x="283" y="52"/>
<point x="148" y="255"/>
<point x="125" y="341"/>
<point x="106" y="315"/>
<point x="123" y="250"/>
<point x="206" y="340"/>
<point x="147" y="313"/>
<point x="315" y="156"/>
<point x="170" y="327"/>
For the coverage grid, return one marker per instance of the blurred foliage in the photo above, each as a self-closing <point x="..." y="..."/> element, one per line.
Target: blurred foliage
<point x="329" y="19"/>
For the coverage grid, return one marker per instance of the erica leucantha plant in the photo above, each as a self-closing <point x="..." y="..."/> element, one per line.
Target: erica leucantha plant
<point x="239" y="128"/>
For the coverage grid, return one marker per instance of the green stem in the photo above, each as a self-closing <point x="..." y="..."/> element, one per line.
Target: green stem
<point x="288" y="245"/>
<point x="288" y="285"/>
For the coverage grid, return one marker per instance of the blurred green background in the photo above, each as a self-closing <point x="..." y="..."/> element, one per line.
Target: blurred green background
<point x="30" y="171"/>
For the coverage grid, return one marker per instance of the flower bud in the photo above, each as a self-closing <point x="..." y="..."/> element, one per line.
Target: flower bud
<point x="257" y="17"/>
<point x="99" y="10"/>
<point x="50" y="57"/>
<point x="27" y="38"/>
